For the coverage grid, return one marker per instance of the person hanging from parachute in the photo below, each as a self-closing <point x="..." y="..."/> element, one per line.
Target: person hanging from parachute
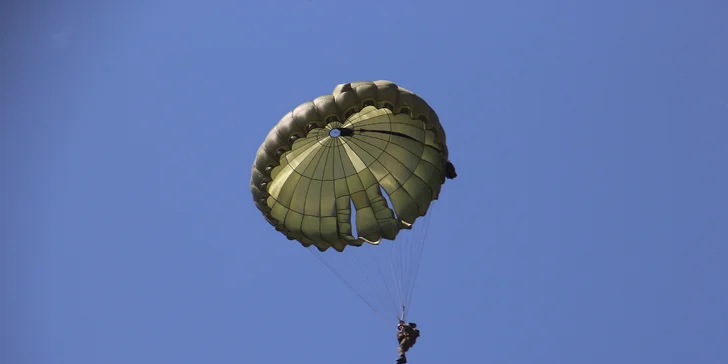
<point x="353" y="169"/>
<point x="407" y="335"/>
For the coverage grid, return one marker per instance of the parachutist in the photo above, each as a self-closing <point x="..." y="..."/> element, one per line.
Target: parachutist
<point x="407" y="335"/>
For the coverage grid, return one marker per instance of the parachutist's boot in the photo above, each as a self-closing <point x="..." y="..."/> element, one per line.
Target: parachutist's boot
<point x="402" y="360"/>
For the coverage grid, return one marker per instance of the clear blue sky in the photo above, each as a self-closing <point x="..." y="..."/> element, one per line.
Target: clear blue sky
<point x="587" y="224"/>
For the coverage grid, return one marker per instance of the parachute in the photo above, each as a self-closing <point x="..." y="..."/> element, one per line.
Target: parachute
<point x="346" y="175"/>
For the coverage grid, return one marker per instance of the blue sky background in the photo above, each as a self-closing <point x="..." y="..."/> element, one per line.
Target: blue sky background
<point x="587" y="224"/>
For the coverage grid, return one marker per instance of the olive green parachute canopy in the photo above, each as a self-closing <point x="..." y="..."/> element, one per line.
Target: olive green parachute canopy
<point x="350" y="148"/>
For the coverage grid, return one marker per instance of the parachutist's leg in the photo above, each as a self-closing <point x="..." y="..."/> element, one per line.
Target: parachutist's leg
<point x="402" y="350"/>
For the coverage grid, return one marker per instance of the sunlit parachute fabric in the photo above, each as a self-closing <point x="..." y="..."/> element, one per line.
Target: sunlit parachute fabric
<point x="351" y="168"/>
